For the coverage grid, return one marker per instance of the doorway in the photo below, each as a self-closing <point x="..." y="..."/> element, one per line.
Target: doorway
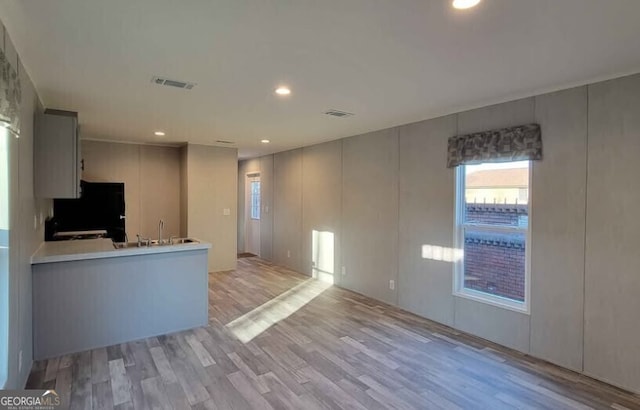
<point x="252" y="214"/>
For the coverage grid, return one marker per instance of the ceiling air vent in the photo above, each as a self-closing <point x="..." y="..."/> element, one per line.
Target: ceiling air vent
<point x="173" y="83"/>
<point x="225" y="142"/>
<point x="338" y="113"/>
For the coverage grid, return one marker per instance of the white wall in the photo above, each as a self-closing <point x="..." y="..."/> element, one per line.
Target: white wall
<point x="212" y="183"/>
<point x="151" y="176"/>
<point x="25" y="236"/>
<point x="397" y="195"/>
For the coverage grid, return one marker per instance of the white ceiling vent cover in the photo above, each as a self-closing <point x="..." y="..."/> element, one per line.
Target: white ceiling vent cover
<point x="173" y="83"/>
<point x="338" y="113"/>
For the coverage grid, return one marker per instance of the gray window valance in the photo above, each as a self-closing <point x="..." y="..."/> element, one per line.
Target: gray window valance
<point x="507" y="144"/>
<point x="10" y="95"/>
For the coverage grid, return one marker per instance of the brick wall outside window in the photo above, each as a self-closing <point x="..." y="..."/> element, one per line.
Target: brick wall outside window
<point x="495" y="262"/>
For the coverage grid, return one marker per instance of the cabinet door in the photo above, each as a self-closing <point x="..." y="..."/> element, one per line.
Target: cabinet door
<point x="56" y="156"/>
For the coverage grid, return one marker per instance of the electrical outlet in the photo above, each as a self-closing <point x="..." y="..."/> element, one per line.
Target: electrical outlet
<point x="392" y="284"/>
<point x="226" y="212"/>
<point x="344" y="271"/>
<point x="288" y="253"/>
<point x="20" y="362"/>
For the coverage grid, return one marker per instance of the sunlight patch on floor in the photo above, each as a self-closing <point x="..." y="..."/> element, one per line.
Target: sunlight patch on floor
<point x="252" y="324"/>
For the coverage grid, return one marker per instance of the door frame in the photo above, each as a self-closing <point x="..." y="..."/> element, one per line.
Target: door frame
<point x="250" y="177"/>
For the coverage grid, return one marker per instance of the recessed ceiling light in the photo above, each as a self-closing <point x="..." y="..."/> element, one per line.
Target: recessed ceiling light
<point x="283" y="91"/>
<point x="159" y="133"/>
<point x="265" y="141"/>
<point x="464" y="4"/>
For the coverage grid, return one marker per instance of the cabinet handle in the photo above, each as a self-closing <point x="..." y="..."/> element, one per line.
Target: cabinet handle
<point x="82" y="164"/>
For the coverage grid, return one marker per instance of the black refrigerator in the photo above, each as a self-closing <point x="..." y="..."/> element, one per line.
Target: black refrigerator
<point x="100" y="207"/>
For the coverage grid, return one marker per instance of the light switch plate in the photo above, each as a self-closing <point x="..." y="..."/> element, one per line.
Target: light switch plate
<point x="226" y="212"/>
<point x="392" y="284"/>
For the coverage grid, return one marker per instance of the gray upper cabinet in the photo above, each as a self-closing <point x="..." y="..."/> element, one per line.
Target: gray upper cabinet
<point x="57" y="156"/>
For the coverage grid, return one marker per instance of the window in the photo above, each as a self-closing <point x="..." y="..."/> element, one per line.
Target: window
<point x="4" y="252"/>
<point x="255" y="199"/>
<point x="492" y="228"/>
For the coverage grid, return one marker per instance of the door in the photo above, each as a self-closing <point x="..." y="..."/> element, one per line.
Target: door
<point x="252" y="214"/>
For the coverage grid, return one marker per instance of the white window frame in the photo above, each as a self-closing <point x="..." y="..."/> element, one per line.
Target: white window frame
<point x="458" y="267"/>
<point x="5" y="138"/>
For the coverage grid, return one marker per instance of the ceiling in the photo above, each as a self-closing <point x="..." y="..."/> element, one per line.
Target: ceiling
<point x="389" y="62"/>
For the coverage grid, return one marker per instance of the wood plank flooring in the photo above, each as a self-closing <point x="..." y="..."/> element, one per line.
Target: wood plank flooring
<point x="278" y="340"/>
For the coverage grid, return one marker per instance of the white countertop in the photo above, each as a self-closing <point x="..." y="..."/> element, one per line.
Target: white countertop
<point x="65" y="251"/>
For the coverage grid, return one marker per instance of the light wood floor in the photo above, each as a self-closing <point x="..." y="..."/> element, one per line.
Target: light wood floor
<point x="340" y="350"/>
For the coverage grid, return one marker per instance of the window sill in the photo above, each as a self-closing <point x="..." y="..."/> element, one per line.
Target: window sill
<point x="496" y="301"/>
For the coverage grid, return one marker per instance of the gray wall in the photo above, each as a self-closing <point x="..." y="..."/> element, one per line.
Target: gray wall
<point x="398" y="195"/>
<point x="187" y="187"/>
<point x="322" y="200"/>
<point x="370" y="214"/>
<point x="558" y="231"/>
<point x="151" y="176"/>
<point x="426" y="218"/>
<point x="507" y="327"/>
<point x="612" y="280"/>
<point x="117" y="293"/>
<point x="287" y="209"/>
<point x="26" y="234"/>
<point x="212" y="183"/>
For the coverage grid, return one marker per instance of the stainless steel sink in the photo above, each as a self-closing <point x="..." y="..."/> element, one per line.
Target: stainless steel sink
<point x="178" y="241"/>
<point x="144" y="244"/>
<point x="124" y="245"/>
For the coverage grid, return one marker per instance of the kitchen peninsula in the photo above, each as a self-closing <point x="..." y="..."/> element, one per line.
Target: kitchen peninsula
<point x="89" y="294"/>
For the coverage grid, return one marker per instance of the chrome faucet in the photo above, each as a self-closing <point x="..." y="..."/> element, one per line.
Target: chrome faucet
<point x="160" y="230"/>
